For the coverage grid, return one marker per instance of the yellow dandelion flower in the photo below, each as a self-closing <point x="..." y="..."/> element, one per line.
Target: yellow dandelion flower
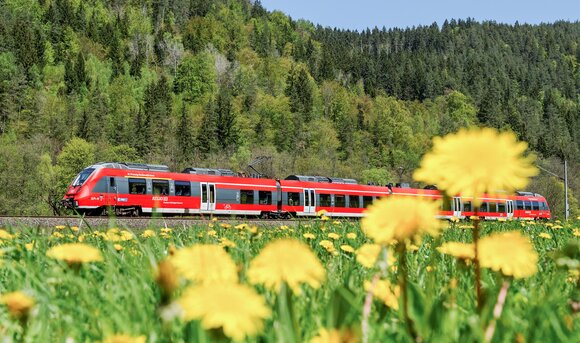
<point x="212" y="233"/>
<point x="334" y="336"/>
<point x="148" y="233"/>
<point x="57" y="234"/>
<point x="412" y="247"/>
<point x="74" y="228"/>
<point x="82" y="238"/>
<point x="477" y="161"/>
<point x="226" y="226"/>
<point x="18" y="303"/>
<point x="545" y="235"/>
<point x="205" y="263"/>
<point x="454" y="219"/>
<point x="29" y="246"/>
<point x="347" y="248"/>
<point x="60" y="227"/>
<point x="464" y="251"/>
<point x="400" y="218"/>
<point x="289" y="261"/>
<point x="321" y="213"/>
<point x="121" y="338"/>
<point x="576" y="232"/>
<point x="166" y="276"/>
<point x="557" y="227"/>
<point x="242" y="226"/>
<point x="309" y="235"/>
<point x="324" y="218"/>
<point x="384" y="291"/>
<point x="429" y="269"/>
<point x="75" y="253"/>
<point x="368" y="254"/>
<point x="336" y="222"/>
<point x="351" y="235"/>
<point x="501" y="219"/>
<point x="166" y="230"/>
<point x="508" y="252"/>
<point x="253" y="229"/>
<point x="334" y="236"/>
<point x="236" y="309"/>
<point x="226" y="243"/>
<point x="326" y="244"/>
<point x="118" y="247"/>
<point x="115" y="235"/>
<point x="4" y="235"/>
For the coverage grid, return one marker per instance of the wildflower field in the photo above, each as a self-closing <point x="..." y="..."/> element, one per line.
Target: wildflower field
<point x="216" y="282"/>
<point x="399" y="274"/>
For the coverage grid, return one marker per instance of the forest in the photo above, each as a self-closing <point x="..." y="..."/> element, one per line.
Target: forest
<point x="196" y="83"/>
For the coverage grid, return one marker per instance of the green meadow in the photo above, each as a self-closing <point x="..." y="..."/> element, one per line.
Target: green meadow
<point x="93" y="302"/>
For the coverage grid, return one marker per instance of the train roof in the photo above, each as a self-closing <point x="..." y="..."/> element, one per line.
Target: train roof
<point x="131" y="166"/>
<point x="324" y="179"/>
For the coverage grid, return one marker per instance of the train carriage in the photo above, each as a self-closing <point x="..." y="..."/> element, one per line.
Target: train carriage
<point x="142" y="189"/>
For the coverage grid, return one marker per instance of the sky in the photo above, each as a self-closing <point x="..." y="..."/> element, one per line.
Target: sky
<point x="360" y="14"/>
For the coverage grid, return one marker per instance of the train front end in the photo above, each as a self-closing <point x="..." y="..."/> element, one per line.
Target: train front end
<point x="78" y="194"/>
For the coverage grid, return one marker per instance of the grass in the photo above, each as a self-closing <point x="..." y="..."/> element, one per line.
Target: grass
<point x="120" y="295"/>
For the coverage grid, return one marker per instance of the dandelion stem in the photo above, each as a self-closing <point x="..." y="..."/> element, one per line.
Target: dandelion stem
<point x="476" y="263"/>
<point x="403" y="284"/>
<point x="497" y="310"/>
<point x="367" y="309"/>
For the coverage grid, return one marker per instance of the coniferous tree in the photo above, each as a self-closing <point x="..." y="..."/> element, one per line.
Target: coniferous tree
<point x="185" y="135"/>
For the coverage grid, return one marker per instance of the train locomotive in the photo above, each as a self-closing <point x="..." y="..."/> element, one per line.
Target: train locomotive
<point x="136" y="189"/>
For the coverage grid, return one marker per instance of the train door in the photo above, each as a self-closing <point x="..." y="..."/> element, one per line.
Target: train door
<point x="457" y="207"/>
<point x="509" y="205"/>
<point x="309" y="201"/>
<point x="112" y="192"/>
<point x="208" y="196"/>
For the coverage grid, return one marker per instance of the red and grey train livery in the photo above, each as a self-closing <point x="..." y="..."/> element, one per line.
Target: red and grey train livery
<point x="136" y="189"/>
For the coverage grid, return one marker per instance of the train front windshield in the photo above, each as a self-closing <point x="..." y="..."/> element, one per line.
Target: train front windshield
<point x="82" y="177"/>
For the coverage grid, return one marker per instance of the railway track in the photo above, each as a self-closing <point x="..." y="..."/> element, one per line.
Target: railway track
<point x="135" y="222"/>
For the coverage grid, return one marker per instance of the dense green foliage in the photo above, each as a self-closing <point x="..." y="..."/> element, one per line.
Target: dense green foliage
<point x="120" y="296"/>
<point x="215" y="83"/>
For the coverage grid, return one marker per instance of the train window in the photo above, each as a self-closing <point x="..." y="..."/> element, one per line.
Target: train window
<point x="137" y="186"/>
<point x="182" y="188"/>
<point x="246" y="196"/>
<point x="367" y="200"/>
<point x="82" y="177"/>
<point x="519" y="205"/>
<point x="160" y="187"/>
<point x="535" y="206"/>
<point x="353" y="201"/>
<point x="446" y="203"/>
<point x="492" y="206"/>
<point x="293" y="199"/>
<point x="501" y="207"/>
<point x="325" y="200"/>
<point x="467" y="206"/>
<point x="527" y="205"/>
<point x="112" y="182"/>
<point x="544" y="206"/>
<point x="265" y="197"/>
<point x="339" y="200"/>
<point x="483" y="207"/>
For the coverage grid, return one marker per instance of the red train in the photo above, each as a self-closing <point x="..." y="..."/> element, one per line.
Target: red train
<point x="137" y="189"/>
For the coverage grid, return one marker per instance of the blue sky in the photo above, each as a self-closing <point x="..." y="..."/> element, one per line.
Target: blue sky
<point x="360" y="14"/>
